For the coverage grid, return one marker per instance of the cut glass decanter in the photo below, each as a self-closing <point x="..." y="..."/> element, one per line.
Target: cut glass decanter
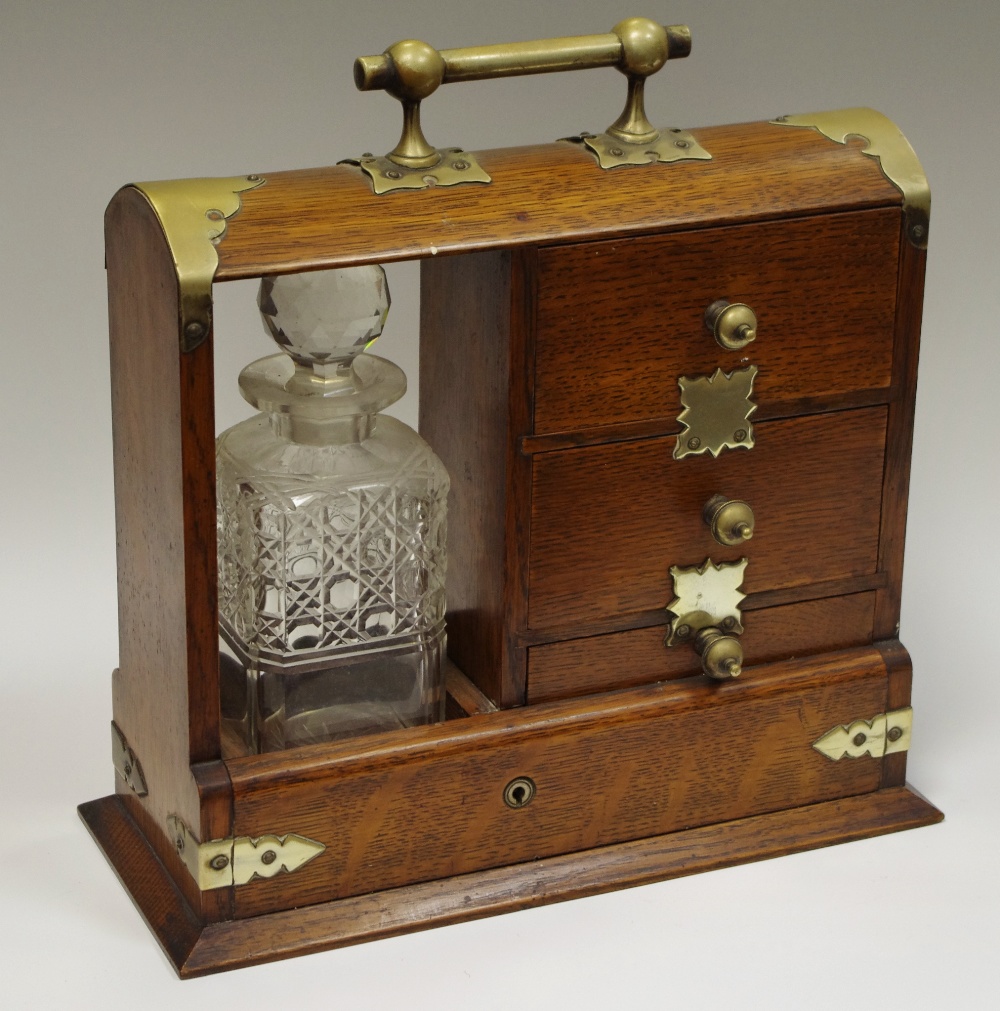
<point x="331" y="530"/>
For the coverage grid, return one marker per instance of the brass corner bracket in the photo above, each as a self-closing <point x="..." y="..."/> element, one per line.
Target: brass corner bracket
<point x="884" y="142"/>
<point x="885" y="734"/>
<point x="194" y="216"/>
<point x="126" y="763"/>
<point x="237" y="861"/>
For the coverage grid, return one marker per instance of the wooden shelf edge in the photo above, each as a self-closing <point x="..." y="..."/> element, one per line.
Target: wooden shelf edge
<point x="197" y="949"/>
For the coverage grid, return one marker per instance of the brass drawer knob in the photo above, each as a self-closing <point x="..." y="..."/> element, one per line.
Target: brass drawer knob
<point x="721" y="654"/>
<point x="732" y="324"/>
<point x="730" y="520"/>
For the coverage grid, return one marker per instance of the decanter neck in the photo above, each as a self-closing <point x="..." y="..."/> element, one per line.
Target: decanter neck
<point x="323" y="432"/>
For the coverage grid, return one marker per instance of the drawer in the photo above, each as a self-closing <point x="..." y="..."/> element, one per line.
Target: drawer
<point x="619" y="321"/>
<point x="427" y="803"/>
<point x="608" y="522"/>
<point x="638" y="656"/>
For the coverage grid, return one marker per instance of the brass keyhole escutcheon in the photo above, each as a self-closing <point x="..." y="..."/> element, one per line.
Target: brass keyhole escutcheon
<point x="732" y="324"/>
<point x="519" y="792"/>
<point x="730" y="520"/>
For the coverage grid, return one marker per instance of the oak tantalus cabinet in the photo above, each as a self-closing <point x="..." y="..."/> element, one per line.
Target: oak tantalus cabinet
<point x="609" y="360"/>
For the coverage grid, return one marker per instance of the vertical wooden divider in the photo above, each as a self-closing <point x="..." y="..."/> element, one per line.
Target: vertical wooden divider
<point x="166" y="697"/>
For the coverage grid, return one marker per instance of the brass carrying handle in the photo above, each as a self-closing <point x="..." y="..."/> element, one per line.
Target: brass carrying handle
<point x="411" y="71"/>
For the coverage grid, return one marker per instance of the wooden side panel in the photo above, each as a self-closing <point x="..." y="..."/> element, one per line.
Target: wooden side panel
<point x="474" y="325"/>
<point x="543" y="194"/>
<point x="619" y="322"/>
<point x="899" y="446"/>
<point x="900" y="670"/>
<point x="166" y="688"/>
<point x="609" y="521"/>
<point x="602" y="663"/>
<point x="428" y="803"/>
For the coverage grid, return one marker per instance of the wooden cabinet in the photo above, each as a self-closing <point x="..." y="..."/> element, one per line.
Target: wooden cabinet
<point x="560" y="307"/>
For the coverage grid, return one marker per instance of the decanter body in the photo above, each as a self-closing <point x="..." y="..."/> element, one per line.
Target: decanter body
<point x="331" y="528"/>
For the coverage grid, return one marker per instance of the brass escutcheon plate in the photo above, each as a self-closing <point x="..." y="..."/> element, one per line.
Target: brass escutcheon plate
<point x="706" y="595"/>
<point x="716" y="413"/>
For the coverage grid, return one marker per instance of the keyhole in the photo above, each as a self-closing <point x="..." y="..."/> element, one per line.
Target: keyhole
<point x="519" y="792"/>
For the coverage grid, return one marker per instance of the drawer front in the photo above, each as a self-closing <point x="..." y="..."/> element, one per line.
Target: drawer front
<point x="601" y="663"/>
<point x="428" y="803"/>
<point x="619" y="322"/>
<point x="608" y="522"/>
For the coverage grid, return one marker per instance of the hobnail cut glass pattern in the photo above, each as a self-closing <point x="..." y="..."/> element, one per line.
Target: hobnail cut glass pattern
<point x="305" y="569"/>
<point x="326" y="316"/>
<point x="331" y="579"/>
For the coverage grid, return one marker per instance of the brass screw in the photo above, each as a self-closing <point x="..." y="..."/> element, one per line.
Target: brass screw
<point x="194" y="331"/>
<point x="268" y="857"/>
<point x="729" y="622"/>
<point x="681" y="143"/>
<point x="219" y="862"/>
<point x="895" y="733"/>
<point x="694" y="443"/>
<point x="460" y="165"/>
<point x="917" y="231"/>
<point x="393" y="174"/>
<point x="253" y="179"/>
<point x="179" y="844"/>
<point x="683" y="631"/>
<point x="739" y="435"/>
<point x="617" y="152"/>
<point x="127" y="771"/>
<point x="859" y="739"/>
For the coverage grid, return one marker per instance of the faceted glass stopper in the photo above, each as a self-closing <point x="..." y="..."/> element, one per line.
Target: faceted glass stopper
<point x="325" y="317"/>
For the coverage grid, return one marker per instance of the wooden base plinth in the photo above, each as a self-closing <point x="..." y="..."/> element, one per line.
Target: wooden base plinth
<point x="196" y="949"/>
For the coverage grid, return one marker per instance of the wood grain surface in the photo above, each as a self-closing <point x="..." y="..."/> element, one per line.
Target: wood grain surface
<point x="549" y="193"/>
<point x="621" y="659"/>
<point x="428" y="803"/>
<point x="608" y="522"/>
<point x="619" y="322"/>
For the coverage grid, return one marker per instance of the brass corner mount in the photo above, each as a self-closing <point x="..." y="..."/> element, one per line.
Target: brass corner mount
<point x="885" y="143"/>
<point x="194" y="215"/>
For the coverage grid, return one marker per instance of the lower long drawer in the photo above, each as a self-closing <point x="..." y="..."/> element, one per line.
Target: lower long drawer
<point x="601" y="663"/>
<point x="427" y="803"/>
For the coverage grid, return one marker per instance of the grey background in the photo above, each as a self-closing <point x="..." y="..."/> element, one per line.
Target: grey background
<point x="98" y="94"/>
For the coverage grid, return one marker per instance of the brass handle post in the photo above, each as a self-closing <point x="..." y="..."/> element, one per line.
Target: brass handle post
<point x="411" y="71"/>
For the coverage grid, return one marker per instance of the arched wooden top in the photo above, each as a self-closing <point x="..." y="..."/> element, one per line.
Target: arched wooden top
<point x="551" y="193"/>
